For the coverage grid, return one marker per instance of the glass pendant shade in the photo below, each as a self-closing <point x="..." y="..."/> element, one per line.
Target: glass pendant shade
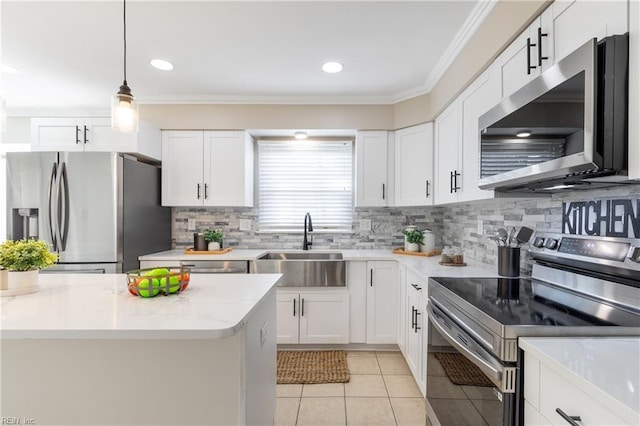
<point x="124" y="111"/>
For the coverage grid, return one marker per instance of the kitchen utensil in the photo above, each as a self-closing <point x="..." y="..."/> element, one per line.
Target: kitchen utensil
<point x="503" y="235"/>
<point x="524" y="235"/>
<point x="512" y="237"/>
<point x="495" y="238"/>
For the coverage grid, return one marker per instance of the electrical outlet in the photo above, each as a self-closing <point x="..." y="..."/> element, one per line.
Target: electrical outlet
<point x="191" y="224"/>
<point x="365" y="224"/>
<point x="480" y="227"/>
<point x="245" y="224"/>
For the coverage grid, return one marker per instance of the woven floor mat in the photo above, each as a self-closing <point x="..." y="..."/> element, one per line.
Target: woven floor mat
<point x="312" y="367"/>
<point x="461" y="371"/>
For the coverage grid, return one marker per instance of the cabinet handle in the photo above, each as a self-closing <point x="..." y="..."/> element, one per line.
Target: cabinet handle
<point x="302" y="306"/>
<point x="416" y="287"/>
<point x="455" y="180"/>
<point x="540" y="57"/>
<point x="413" y="317"/>
<point x="417" y="327"/>
<point x="570" y="419"/>
<point x="206" y="195"/>
<point x="383" y="191"/>
<point x="294" y="307"/>
<point x="451" y="182"/>
<point x="529" y="66"/>
<point x="198" y="191"/>
<point x="85" y="134"/>
<point x="427" y="185"/>
<point x="77" y="135"/>
<point x="371" y="278"/>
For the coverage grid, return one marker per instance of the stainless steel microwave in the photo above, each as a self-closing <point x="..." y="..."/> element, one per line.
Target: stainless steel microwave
<point x="567" y="128"/>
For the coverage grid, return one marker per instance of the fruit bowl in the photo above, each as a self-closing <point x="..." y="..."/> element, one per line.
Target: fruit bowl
<point x="150" y="282"/>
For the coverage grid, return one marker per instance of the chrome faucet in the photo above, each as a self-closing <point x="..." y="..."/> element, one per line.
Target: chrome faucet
<point x="305" y="242"/>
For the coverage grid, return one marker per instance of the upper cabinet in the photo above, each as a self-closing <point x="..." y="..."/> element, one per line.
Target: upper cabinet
<point x="93" y="134"/>
<point x="207" y="168"/>
<point x="414" y="166"/>
<point x="373" y="149"/>
<point x="457" y="141"/>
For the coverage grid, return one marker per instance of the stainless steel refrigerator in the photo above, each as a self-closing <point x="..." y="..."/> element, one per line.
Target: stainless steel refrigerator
<point x="99" y="211"/>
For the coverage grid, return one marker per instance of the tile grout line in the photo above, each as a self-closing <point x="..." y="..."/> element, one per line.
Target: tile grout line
<point x="395" y="418"/>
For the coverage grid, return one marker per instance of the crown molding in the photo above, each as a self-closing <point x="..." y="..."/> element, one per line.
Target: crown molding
<point x="271" y="100"/>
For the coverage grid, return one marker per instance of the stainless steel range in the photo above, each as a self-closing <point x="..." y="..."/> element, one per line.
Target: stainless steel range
<point x="580" y="286"/>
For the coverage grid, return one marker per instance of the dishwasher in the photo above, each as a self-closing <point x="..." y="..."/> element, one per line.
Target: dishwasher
<point x="216" y="266"/>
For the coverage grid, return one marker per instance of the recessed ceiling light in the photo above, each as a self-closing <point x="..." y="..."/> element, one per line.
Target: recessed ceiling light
<point x="300" y="135"/>
<point x="332" y="67"/>
<point x="8" y="69"/>
<point x="161" y="64"/>
<point x="523" y="134"/>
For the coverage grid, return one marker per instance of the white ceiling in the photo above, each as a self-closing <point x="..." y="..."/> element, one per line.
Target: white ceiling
<point x="69" y="54"/>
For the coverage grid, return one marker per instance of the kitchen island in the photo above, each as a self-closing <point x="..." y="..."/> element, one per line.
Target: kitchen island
<point x="83" y="350"/>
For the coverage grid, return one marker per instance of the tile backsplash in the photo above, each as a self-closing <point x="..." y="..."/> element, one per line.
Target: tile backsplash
<point x="455" y="225"/>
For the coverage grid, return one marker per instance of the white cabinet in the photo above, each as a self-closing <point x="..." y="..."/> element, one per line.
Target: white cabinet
<point x="415" y="320"/>
<point x="382" y="302"/>
<point x="312" y="316"/>
<point x="372" y="168"/>
<point x="93" y="134"/>
<point x="357" y="288"/>
<point x="457" y="144"/>
<point x="402" y="309"/>
<point x="414" y="166"/>
<point x="210" y="168"/>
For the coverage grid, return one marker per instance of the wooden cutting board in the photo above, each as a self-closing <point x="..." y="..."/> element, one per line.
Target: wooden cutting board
<point x="400" y="250"/>
<point x="192" y="251"/>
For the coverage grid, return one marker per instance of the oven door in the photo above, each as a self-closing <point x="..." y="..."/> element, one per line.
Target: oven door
<point x="465" y="403"/>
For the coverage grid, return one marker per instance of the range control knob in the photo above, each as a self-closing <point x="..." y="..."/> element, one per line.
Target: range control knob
<point x="551" y="244"/>
<point x="538" y="242"/>
<point x="634" y="254"/>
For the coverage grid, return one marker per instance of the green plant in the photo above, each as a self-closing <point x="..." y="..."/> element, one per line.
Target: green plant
<point x="26" y="255"/>
<point x="213" y="235"/>
<point x="414" y="236"/>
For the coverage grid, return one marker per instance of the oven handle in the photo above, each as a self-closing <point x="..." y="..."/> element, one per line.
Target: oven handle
<point x="460" y="323"/>
<point x="494" y="370"/>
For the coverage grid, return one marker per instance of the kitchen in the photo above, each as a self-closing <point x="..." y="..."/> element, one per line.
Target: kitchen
<point x="460" y="219"/>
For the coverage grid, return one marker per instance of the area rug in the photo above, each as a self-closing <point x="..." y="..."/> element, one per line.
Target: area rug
<point x="461" y="371"/>
<point x="309" y="367"/>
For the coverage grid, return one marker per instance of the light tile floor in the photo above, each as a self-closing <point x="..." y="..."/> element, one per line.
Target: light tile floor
<point x="381" y="392"/>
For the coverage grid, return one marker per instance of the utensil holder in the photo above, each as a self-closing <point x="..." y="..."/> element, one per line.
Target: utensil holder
<point x="199" y="244"/>
<point x="509" y="261"/>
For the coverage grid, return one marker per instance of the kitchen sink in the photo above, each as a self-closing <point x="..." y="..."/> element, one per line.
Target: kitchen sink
<point x="303" y="269"/>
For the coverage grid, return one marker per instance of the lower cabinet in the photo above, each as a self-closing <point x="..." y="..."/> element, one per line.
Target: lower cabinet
<point x="402" y="310"/>
<point x="415" y="326"/>
<point x="312" y="316"/>
<point x="382" y="302"/>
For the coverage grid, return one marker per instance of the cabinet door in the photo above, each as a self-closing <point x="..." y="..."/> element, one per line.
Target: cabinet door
<point x="515" y="59"/>
<point x="228" y="169"/>
<point x="357" y="288"/>
<point x="573" y="23"/>
<point x="99" y="136"/>
<point x="447" y="130"/>
<point x="182" y="166"/>
<point x="57" y="134"/>
<point x="402" y="310"/>
<point x="372" y="189"/>
<point x="414" y="166"/>
<point x="481" y="96"/>
<point x="382" y="302"/>
<point x="414" y="333"/>
<point x="324" y="317"/>
<point x="287" y="314"/>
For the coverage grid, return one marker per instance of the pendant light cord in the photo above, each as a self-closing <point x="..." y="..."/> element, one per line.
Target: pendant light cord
<point x="124" y="19"/>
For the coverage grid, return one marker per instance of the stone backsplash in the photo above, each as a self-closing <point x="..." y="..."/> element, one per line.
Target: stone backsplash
<point x="459" y="225"/>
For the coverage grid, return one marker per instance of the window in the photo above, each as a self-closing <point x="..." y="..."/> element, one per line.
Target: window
<point x="296" y="177"/>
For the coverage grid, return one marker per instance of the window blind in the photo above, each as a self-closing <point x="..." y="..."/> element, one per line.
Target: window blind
<point x="296" y="177"/>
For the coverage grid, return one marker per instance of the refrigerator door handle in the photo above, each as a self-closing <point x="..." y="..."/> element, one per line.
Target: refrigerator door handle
<point x="63" y="227"/>
<point x="52" y="180"/>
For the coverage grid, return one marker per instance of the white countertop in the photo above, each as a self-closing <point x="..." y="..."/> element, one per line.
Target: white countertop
<point x="607" y="367"/>
<point x="179" y="254"/>
<point x="88" y="306"/>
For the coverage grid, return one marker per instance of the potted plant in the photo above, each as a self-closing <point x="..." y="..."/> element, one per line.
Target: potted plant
<point x="414" y="239"/>
<point x="22" y="259"/>
<point x="213" y="237"/>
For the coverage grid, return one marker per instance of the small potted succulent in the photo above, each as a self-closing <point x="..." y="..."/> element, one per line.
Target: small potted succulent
<point x="414" y="239"/>
<point x="22" y="259"/>
<point x="213" y="238"/>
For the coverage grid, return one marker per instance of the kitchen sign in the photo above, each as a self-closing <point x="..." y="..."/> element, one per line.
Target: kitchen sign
<point x="604" y="218"/>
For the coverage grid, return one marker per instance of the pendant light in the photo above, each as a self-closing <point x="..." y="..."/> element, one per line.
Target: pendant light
<point x="124" y="108"/>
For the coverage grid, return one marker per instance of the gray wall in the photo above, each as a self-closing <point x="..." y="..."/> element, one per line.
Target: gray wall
<point x="453" y="225"/>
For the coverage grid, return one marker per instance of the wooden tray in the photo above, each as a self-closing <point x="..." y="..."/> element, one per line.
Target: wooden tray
<point x="192" y="251"/>
<point x="400" y="250"/>
<point x="452" y="264"/>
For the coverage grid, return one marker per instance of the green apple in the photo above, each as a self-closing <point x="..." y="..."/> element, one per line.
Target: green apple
<point x="159" y="283"/>
<point x="147" y="288"/>
<point x="174" y="284"/>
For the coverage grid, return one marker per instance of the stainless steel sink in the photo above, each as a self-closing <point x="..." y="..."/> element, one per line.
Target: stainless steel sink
<point x="303" y="269"/>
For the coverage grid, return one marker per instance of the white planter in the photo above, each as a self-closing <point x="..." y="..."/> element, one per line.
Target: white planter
<point x="413" y="247"/>
<point x="213" y="246"/>
<point x="18" y="283"/>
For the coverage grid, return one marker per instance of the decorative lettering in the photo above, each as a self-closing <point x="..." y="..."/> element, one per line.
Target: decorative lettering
<point x="605" y="218"/>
